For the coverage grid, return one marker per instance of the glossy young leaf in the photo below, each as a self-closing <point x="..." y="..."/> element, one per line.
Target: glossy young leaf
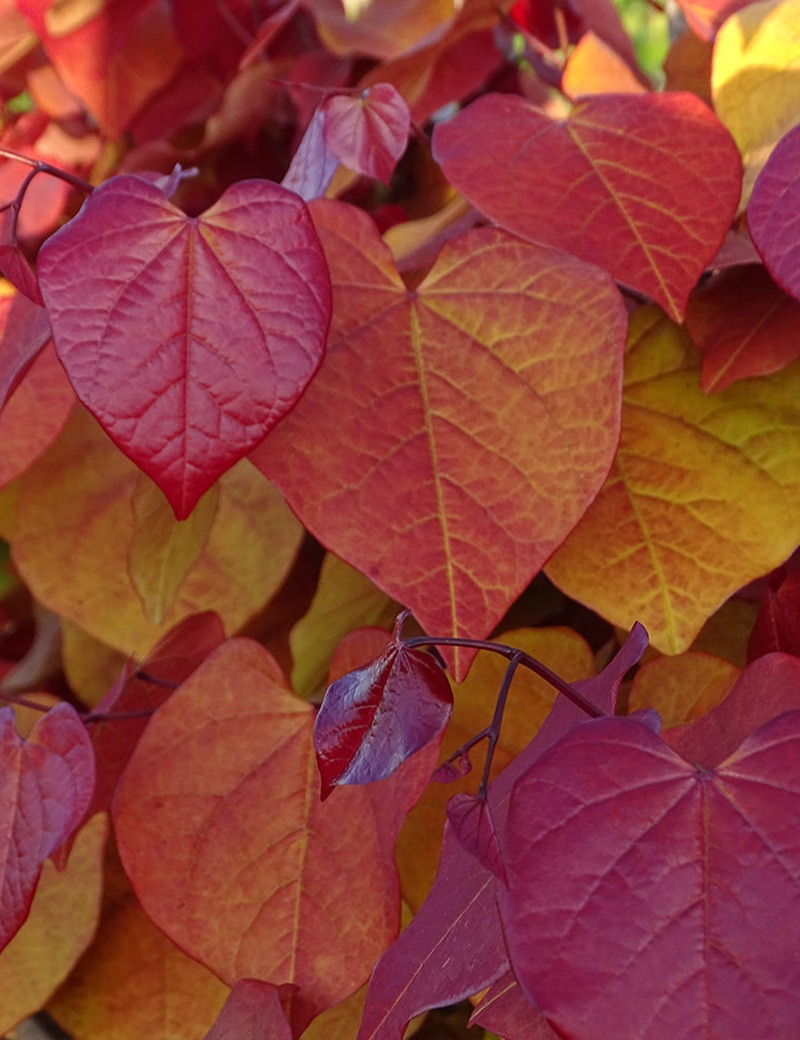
<point x="467" y="435"/>
<point x="46" y="782"/>
<point x="642" y="185"/>
<point x="376" y="717"/>
<point x="228" y="313"/>
<point x="656" y="870"/>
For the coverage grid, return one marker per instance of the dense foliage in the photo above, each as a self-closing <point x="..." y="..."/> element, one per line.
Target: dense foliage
<point x="444" y="354"/>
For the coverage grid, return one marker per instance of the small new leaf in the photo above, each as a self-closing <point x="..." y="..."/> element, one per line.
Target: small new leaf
<point x="374" y="718"/>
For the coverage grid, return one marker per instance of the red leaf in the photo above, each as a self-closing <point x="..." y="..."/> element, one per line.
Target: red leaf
<point x="773" y="214"/>
<point x="642" y="185"/>
<point x="777" y="626"/>
<point x="374" y="718"/>
<point x="368" y="133"/>
<point x="252" y="1012"/>
<point x="45" y="785"/>
<point x="649" y="898"/>
<point x="743" y="325"/>
<point x="195" y="335"/>
<point x="454" y="946"/>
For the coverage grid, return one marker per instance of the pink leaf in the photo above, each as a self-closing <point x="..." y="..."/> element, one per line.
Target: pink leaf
<point x="253" y="1012"/>
<point x="773" y="214"/>
<point x="368" y="133"/>
<point x="196" y="334"/>
<point x="374" y="718"/>
<point x="506" y="1010"/>
<point x="13" y="262"/>
<point x="649" y="898"/>
<point x="46" y="782"/>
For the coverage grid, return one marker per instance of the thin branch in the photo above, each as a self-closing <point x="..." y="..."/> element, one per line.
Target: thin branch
<point x="40" y="166"/>
<point x="525" y="660"/>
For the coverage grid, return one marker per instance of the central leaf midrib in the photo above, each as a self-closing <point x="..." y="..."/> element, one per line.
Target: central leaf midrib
<point x="416" y="346"/>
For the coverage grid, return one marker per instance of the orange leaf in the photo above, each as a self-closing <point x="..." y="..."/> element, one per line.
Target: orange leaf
<point x="642" y="185"/>
<point x="682" y="688"/>
<point x="134" y="983"/>
<point x="113" y="56"/>
<point x="470" y="421"/>
<point x="61" y="924"/>
<point x="74" y="527"/>
<point x="594" y="67"/>
<point x="218" y="821"/>
<point x="381" y="28"/>
<point x="703" y="497"/>
<point x="35" y="414"/>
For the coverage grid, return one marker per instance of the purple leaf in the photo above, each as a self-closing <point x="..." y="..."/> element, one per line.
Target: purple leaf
<point x="374" y="718"/>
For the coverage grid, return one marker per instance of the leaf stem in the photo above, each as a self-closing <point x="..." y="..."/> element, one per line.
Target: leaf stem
<point x="497" y="720"/>
<point x="40" y="166"/>
<point x="525" y="660"/>
<point x="24" y="702"/>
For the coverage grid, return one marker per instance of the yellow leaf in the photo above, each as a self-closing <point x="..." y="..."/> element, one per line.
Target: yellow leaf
<point x="163" y="550"/>
<point x="682" y="688"/>
<point x="74" y="524"/>
<point x="134" y="983"/>
<point x="59" y="928"/>
<point x="703" y="496"/>
<point x="754" y="81"/>
<point x="345" y="599"/>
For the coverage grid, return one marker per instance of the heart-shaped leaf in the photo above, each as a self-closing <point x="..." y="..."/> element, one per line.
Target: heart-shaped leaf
<point x="649" y="898"/>
<point x="196" y="334"/>
<point x="467" y="435"/>
<point x="374" y="718"/>
<point x="642" y="185"/>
